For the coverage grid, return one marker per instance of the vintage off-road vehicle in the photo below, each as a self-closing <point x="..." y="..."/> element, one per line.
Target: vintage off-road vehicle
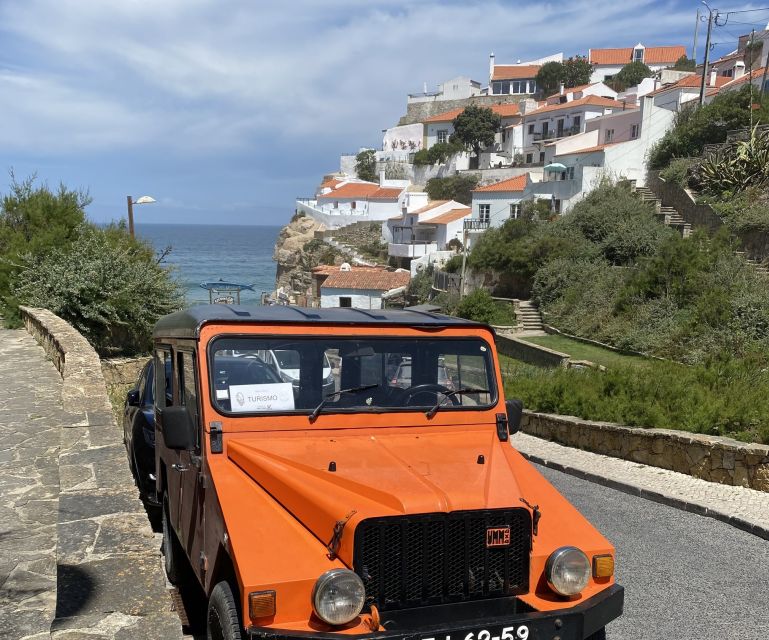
<point x="370" y="510"/>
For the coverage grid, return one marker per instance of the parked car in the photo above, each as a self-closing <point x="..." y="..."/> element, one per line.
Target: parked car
<point x="286" y="363"/>
<point x="371" y="512"/>
<point x="139" y="432"/>
<point x="401" y="378"/>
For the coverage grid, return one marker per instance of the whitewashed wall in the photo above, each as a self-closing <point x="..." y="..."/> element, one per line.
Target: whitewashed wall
<point x="329" y="297"/>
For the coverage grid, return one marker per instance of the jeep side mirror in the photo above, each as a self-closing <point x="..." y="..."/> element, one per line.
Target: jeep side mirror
<point x="178" y="429"/>
<point x="514" y="414"/>
<point x="132" y="398"/>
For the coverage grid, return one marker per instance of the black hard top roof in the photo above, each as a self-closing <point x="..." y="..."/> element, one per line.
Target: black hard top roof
<point x="187" y="323"/>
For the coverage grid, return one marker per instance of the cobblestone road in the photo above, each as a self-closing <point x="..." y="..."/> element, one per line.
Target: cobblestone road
<point x="30" y="414"/>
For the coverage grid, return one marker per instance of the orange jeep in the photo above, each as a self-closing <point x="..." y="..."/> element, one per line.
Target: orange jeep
<point x="325" y="498"/>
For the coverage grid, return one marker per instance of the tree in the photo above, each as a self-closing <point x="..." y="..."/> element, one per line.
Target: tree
<point x="459" y="188"/>
<point x="631" y="74"/>
<point x="105" y="283"/>
<point x="576" y="72"/>
<point x="365" y="165"/>
<point x="33" y="221"/>
<point x="476" y="127"/>
<point x="549" y="78"/>
<point x="685" y="64"/>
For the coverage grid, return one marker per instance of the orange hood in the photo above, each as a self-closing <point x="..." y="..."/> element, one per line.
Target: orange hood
<point x="389" y="472"/>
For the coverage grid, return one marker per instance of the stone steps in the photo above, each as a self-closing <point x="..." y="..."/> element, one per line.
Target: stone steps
<point x="668" y="216"/>
<point x="528" y="316"/>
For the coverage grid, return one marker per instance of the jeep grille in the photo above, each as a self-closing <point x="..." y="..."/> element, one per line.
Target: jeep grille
<point x="436" y="558"/>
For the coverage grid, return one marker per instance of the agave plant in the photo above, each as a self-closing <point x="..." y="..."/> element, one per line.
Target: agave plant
<point x="738" y="167"/>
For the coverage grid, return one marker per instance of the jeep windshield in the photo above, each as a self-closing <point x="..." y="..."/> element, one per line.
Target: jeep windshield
<point x="378" y="374"/>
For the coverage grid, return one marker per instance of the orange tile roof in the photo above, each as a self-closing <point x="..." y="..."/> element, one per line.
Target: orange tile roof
<point x="386" y="193"/>
<point x="362" y="191"/>
<point x="742" y="79"/>
<point x="502" y="110"/>
<point x="330" y="183"/>
<point x="691" y="82"/>
<point x="587" y="101"/>
<point x="577" y="89"/>
<point x="652" y="55"/>
<point x="511" y="184"/>
<point x="449" y="216"/>
<point x="514" y="71"/>
<point x="367" y="279"/>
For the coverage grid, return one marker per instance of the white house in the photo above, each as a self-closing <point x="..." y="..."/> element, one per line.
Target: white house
<point x="398" y="142"/>
<point x="619" y="126"/>
<point x="361" y="287"/>
<point x="459" y="88"/>
<point x="607" y="62"/>
<point x="496" y="203"/>
<point x="575" y="93"/>
<point x="685" y="90"/>
<point x="757" y="77"/>
<point x="555" y="121"/>
<point x="518" y="78"/>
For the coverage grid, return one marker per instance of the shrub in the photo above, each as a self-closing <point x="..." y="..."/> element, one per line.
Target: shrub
<point x="457" y="188"/>
<point x="677" y="171"/>
<point x="438" y="153"/>
<point x="365" y="165"/>
<point x="453" y="264"/>
<point x="481" y="307"/>
<point x="108" y="285"/>
<point x="421" y="285"/>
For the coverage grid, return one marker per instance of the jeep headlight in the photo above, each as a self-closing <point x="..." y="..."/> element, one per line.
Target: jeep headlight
<point x="338" y="596"/>
<point x="567" y="571"/>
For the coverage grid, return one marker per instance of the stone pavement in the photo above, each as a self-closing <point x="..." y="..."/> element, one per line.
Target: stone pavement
<point x="30" y="423"/>
<point x="77" y="556"/>
<point x="744" y="508"/>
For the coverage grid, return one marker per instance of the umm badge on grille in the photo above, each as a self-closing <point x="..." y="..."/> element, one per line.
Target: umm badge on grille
<point x="498" y="537"/>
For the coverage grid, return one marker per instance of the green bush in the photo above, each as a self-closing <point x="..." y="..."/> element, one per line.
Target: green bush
<point x="459" y="188"/>
<point x="677" y="172"/>
<point x="421" y="285"/>
<point x="453" y="264"/>
<point x="746" y="212"/>
<point x="481" y="307"/>
<point x="438" y="153"/>
<point x="108" y="285"/>
<point x="723" y="396"/>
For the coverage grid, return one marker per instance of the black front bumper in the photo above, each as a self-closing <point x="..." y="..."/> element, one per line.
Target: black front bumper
<point x="574" y="623"/>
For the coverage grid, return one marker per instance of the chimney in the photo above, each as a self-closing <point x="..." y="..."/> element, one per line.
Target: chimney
<point x="563" y="87"/>
<point x="739" y="69"/>
<point x="713" y="76"/>
<point x="491" y="66"/>
<point x="381" y="176"/>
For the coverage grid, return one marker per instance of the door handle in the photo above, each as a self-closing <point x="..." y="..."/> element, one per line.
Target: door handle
<point x="179" y="467"/>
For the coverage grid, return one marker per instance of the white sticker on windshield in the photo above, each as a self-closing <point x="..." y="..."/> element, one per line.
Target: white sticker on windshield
<point x="246" y="398"/>
<point x="222" y="394"/>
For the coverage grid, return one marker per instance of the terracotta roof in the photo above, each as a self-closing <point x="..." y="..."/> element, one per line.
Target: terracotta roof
<point x="691" y="82"/>
<point x="566" y="90"/>
<point x="756" y="73"/>
<point x="367" y="279"/>
<point x="330" y="183"/>
<point x="502" y="110"/>
<point x="449" y="216"/>
<point x="362" y="191"/>
<point x="600" y="147"/>
<point x="511" y="184"/>
<point x="430" y="205"/>
<point x="587" y="101"/>
<point x="386" y="193"/>
<point x="514" y="71"/>
<point x="652" y="55"/>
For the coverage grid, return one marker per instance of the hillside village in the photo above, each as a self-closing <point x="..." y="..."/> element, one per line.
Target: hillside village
<point x="547" y="153"/>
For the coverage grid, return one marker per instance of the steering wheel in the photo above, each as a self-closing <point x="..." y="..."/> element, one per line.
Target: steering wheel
<point x="411" y="392"/>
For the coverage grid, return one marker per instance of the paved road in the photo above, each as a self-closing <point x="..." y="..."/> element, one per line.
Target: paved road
<point x="686" y="577"/>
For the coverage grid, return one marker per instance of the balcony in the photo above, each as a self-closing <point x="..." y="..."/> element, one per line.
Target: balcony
<point x="411" y="249"/>
<point x="476" y="224"/>
<point x="538" y="136"/>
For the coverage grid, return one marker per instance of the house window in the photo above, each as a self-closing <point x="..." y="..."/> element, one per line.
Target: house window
<point x="569" y="173"/>
<point x="531" y="129"/>
<point x="336" y="204"/>
<point x="345" y="301"/>
<point x="484" y="212"/>
<point x="352" y="204"/>
<point x="608" y="136"/>
<point x="518" y="86"/>
<point x="529" y="157"/>
<point x="559" y="127"/>
<point x="541" y="156"/>
<point x="500" y="87"/>
<point x="638" y="55"/>
<point x="443" y="136"/>
<point x="577" y="121"/>
<point x="634" y="131"/>
<point x="515" y="210"/>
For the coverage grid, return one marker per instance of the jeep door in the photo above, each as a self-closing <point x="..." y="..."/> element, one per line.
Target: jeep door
<point x="167" y="395"/>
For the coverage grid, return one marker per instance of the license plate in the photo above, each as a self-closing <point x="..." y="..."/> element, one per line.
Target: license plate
<point x="513" y="632"/>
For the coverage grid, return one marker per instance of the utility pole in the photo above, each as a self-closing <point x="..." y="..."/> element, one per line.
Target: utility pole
<point x="750" y="75"/>
<point x="696" y="31"/>
<point x="707" y="52"/>
<point x="464" y="264"/>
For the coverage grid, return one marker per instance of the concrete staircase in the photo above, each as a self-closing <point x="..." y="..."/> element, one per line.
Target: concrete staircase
<point x="528" y="316"/>
<point x="760" y="267"/>
<point x="666" y="215"/>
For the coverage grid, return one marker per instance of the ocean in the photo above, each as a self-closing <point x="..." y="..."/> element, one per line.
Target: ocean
<point x="232" y="253"/>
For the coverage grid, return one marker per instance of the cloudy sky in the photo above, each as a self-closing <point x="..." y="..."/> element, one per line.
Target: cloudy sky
<point x="226" y="110"/>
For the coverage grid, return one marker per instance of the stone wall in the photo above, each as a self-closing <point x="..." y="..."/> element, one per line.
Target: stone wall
<point x="419" y="111"/>
<point x="531" y="353"/>
<point x="712" y="458"/>
<point x="672" y="195"/>
<point x="110" y="578"/>
<point x="122" y="371"/>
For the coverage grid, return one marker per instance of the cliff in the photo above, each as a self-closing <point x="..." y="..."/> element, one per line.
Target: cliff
<point x="297" y="252"/>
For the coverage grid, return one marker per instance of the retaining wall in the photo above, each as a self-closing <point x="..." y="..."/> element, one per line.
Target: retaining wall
<point x="531" y="353"/>
<point x="713" y="458"/>
<point x="110" y="578"/>
<point x="122" y="371"/>
<point x="672" y="195"/>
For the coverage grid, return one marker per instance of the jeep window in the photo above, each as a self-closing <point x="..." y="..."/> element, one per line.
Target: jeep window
<point x="256" y="375"/>
<point x="188" y="386"/>
<point x="164" y="378"/>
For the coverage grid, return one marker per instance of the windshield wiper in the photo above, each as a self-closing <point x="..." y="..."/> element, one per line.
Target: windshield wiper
<point x="316" y="411"/>
<point x="449" y="394"/>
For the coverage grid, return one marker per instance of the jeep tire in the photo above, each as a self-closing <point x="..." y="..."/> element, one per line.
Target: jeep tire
<point x="222" y="620"/>
<point x="173" y="554"/>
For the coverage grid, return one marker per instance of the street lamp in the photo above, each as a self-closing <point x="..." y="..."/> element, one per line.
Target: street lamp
<point x="131" y="203"/>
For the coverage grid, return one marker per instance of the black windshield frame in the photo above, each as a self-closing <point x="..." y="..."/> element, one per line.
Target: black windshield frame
<point x="224" y="342"/>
